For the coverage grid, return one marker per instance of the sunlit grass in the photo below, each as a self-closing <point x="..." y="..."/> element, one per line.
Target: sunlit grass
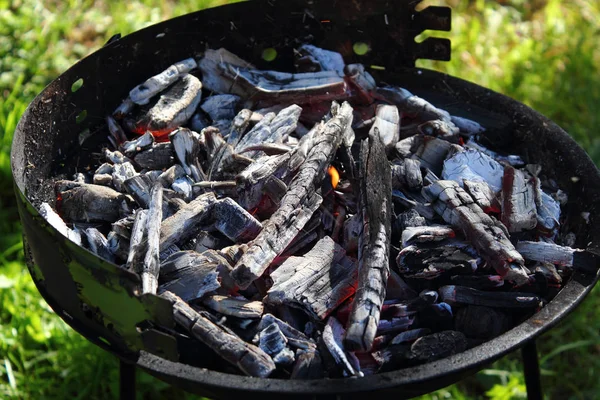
<point x="543" y="53"/>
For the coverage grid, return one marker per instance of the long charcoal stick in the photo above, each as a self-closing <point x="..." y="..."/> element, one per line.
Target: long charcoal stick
<point x="298" y="204"/>
<point x="137" y="243"/>
<point x="248" y="358"/>
<point x="153" y="223"/>
<point x="375" y="180"/>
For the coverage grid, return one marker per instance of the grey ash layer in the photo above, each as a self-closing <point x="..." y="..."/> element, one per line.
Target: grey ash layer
<point x="315" y="224"/>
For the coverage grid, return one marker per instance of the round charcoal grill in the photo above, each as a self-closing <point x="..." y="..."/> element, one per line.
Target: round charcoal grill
<point x="64" y="125"/>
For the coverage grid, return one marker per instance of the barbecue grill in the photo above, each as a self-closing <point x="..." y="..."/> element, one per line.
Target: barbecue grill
<point x="100" y="300"/>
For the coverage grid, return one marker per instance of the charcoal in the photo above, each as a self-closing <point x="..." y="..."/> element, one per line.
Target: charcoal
<point x="483" y="195"/>
<point x="308" y="365"/>
<point x="121" y="173"/>
<point x="410" y="335"/>
<point x="425" y="349"/>
<point x="189" y="275"/>
<point x="398" y="289"/>
<point x="209" y="65"/>
<point x="274" y="343"/>
<point x="220" y="107"/>
<point x="117" y="245"/>
<point x="295" y="338"/>
<point x="234" y="307"/>
<point x="183" y="186"/>
<point x="393" y="326"/>
<point x="309" y="58"/>
<point x="98" y="244"/>
<point x="352" y="231"/>
<point x="115" y="157"/>
<point x="549" y="271"/>
<point x="513" y="160"/>
<point x="131" y="148"/>
<point x="186" y="144"/>
<point x="168" y="177"/>
<point x="424" y="234"/>
<point x="386" y="126"/>
<point x="159" y="156"/>
<point x="173" y="109"/>
<point x="187" y="221"/>
<point x="333" y="335"/>
<point x="437" y="317"/>
<point x="467" y="126"/>
<point x="115" y="130"/>
<point x="102" y="180"/>
<point x="141" y="94"/>
<point x="438" y="128"/>
<point x="166" y="253"/>
<point x="138" y="242"/>
<point x="479" y="322"/>
<point x="491" y="241"/>
<point x="57" y="222"/>
<point x="151" y="263"/>
<point x="209" y="241"/>
<point x="431" y="152"/>
<point x="297" y="206"/>
<point x="436" y="260"/>
<point x="375" y="189"/>
<point x="407" y="219"/>
<point x="456" y="295"/>
<point x="82" y="202"/>
<point x="105" y="169"/>
<point x="472" y="165"/>
<point x="250" y="359"/>
<point x="547" y="252"/>
<point x="239" y="125"/>
<point x="318" y="282"/>
<point x="407" y="174"/>
<point x="124" y="226"/>
<point x="518" y="201"/>
<point x="234" y="222"/>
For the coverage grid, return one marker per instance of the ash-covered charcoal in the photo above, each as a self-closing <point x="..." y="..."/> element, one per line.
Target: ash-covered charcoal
<point x="488" y="236"/>
<point x="245" y="212"/>
<point x="82" y="202"/>
<point x="298" y="204"/>
<point x="173" y="109"/>
<point x="519" y="211"/>
<point x="250" y="359"/>
<point x="318" y="282"/>
<point x="375" y="200"/>
<point x="457" y="295"/>
<point x="234" y="307"/>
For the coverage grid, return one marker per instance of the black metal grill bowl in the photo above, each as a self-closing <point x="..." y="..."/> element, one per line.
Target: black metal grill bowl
<point x="100" y="300"/>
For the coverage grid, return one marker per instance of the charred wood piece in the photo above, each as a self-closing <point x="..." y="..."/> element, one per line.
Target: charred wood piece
<point x="410" y="336"/>
<point x="458" y="209"/>
<point x="159" y="156"/>
<point x="82" y="202"/>
<point x="142" y="93"/>
<point x="250" y="359"/>
<point x="457" y="295"/>
<point x="435" y="260"/>
<point x="235" y="222"/>
<point x="318" y="282"/>
<point x="298" y="204"/>
<point x="308" y="365"/>
<point x="309" y="58"/>
<point x="551" y="253"/>
<point x="518" y="201"/>
<point x="333" y="335"/>
<point x="424" y="234"/>
<point x="273" y="342"/>
<point x="98" y="244"/>
<point x="131" y="148"/>
<point x="386" y="126"/>
<point x="186" y="144"/>
<point x="483" y="195"/>
<point x="189" y="275"/>
<point x="151" y="266"/>
<point x="48" y="213"/>
<point x="480" y="322"/>
<point x="479" y="282"/>
<point x="472" y="165"/>
<point x="234" y="307"/>
<point x="295" y="338"/>
<point x="407" y="174"/>
<point x="375" y="188"/>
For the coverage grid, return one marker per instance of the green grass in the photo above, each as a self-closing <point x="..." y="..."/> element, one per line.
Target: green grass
<point x="543" y="53"/>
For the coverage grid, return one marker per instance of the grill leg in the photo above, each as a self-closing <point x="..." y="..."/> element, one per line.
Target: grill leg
<point x="531" y="369"/>
<point x="127" y="381"/>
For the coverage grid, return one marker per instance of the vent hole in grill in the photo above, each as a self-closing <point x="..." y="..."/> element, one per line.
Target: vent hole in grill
<point x="360" y="48"/>
<point x="76" y="85"/>
<point x="269" y="54"/>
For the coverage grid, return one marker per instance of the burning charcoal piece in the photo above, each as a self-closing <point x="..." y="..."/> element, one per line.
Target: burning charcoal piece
<point x="483" y="195"/>
<point x="151" y="264"/>
<point x="274" y="343"/>
<point x="250" y="359"/>
<point x="333" y="334"/>
<point x="423" y="234"/>
<point x="141" y="143"/>
<point x="82" y="202"/>
<point x="318" y="282"/>
<point x="56" y="221"/>
<point x="480" y="322"/>
<point x="115" y="130"/>
<point x="308" y="365"/>
<point x="174" y="107"/>
<point x="159" y="156"/>
<point x="433" y="261"/>
<point x="479" y="282"/>
<point x="298" y="204"/>
<point x="375" y="186"/>
<point x="310" y="58"/>
<point x="98" y="244"/>
<point x="271" y="129"/>
<point x="142" y="94"/>
<point x="187" y="221"/>
<point x="407" y="174"/>
<point x="295" y="338"/>
<point x="235" y="222"/>
<point x="467" y="126"/>
<point x="491" y="241"/>
<point x="189" y="275"/>
<point x="121" y="173"/>
<point x="518" y="201"/>
<point x="187" y="145"/>
<point x="425" y="349"/>
<point x="548" y="252"/>
<point x="386" y="126"/>
<point x="472" y="165"/>
<point x="456" y="295"/>
<point x="234" y="307"/>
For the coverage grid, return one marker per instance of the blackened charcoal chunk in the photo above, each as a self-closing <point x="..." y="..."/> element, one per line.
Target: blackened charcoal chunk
<point x="479" y="322"/>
